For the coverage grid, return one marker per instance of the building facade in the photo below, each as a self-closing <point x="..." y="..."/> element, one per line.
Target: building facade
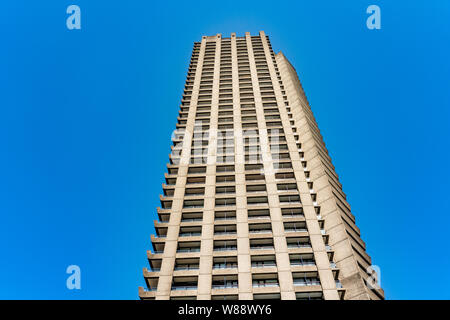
<point x="252" y="206"/>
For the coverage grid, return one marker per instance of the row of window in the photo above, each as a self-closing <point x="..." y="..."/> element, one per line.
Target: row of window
<point x="258" y="280"/>
<point x="295" y="212"/>
<point x="231" y="262"/>
<point x="259" y="296"/>
<point x="197" y="180"/>
<point x="231" y="229"/>
<point x="231" y="245"/>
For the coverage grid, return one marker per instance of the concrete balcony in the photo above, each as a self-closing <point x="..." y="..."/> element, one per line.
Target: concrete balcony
<point x="307" y="288"/>
<point x="146" y="294"/>
<point x="224" y="290"/>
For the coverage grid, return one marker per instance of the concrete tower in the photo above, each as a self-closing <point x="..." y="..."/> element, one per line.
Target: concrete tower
<point x="252" y="206"/>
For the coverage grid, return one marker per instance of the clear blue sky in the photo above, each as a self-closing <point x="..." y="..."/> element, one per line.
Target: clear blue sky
<point x="86" y="118"/>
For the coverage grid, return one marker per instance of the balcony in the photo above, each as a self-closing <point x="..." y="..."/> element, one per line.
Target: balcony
<point x="229" y="248"/>
<point x="259" y="231"/>
<point x="225" y="202"/>
<point x="263" y="264"/>
<point x="295" y="229"/>
<point x="190" y="234"/>
<point x="184" y="287"/>
<point x="264" y="284"/>
<point x="267" y="247"/>
<point x="307" y="282"/>
<point x="225" y="285"/>
<point x="182" y="250"/>
<point x="287" y="200"/>
<point x="299" y="245"/>
<point x="188" y="246"/>
<point x="298" y="242"/>
<point x="186" y="268"/>
<point x="191" y="204"/>
<point x="303" y="263"/>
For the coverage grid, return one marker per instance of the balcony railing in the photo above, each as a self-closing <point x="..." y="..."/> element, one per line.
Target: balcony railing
<point x="306" y="282"/>
<point x="299" y="245"/>
<point x="295" y="230"/>
<point x="190" y="287"/>
<point x="261" y="248"/>
<point x="261" y="231"/>
<point x="226" y="218"/>
<point x="303" y="263"/>
<point x="191" y="220"/>
<point x="188" y="250"/>
<point x="225" y="266"/>
<point x="221" y="233"/>
<point x="264" y="264"/>
<point x="259" y="217"/>
<point x="150" y="289"/>
<point x="225" y="286"/>
<point x="186" y="268"/>
<point x="267" y="284"/>
<point x="225" y="248"/>
<point x="190" y="234"/>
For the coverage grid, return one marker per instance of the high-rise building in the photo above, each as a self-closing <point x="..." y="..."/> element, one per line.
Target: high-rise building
<point x="252" y="206"/>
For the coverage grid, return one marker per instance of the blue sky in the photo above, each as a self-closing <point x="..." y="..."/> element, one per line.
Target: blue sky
<point x="86" y="118"/>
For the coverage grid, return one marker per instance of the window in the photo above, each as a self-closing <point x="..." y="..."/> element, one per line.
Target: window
<point x="302" y="259"/>
<point x="191" y="216"/>
<point x="292" y="212"/>
<point x="188" y="246"/>
<point x="260" y="228"/>
<point x="287" y="187"/>
<point x="184" y="283"/>
<point x="225" y="297"/>
<point x="289" y="199"/>
<point x="225" y="245"/>
<point x="256" y="188"/>
<point x="186" y="264"/>
<point x="190" y="231"/>
<point x="309" y="296"/>
<point x="225" y="229"/>
<point x="263" y="261"/>
<point x="306" y="279"/>
<point x="257" y="200"/>
<point x="226" y="190"/>
<point x="265" y="280"/>
<point x="197" y="170"/>
<point x="224" y="282"/>
<point x="220" y="202"/>
<point x="224" y="179"/>
<point x="258" y="214"/>
<point x="261" y="244"/>
<point x="193" y="203"/>
<point x="194" y="191"/>
<point x="225" y="215"/>
<point x="295" y="227"/>
<point x="225" y="169"/>
<point x="224" y="262"/>
<point x="298" y="242"/>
